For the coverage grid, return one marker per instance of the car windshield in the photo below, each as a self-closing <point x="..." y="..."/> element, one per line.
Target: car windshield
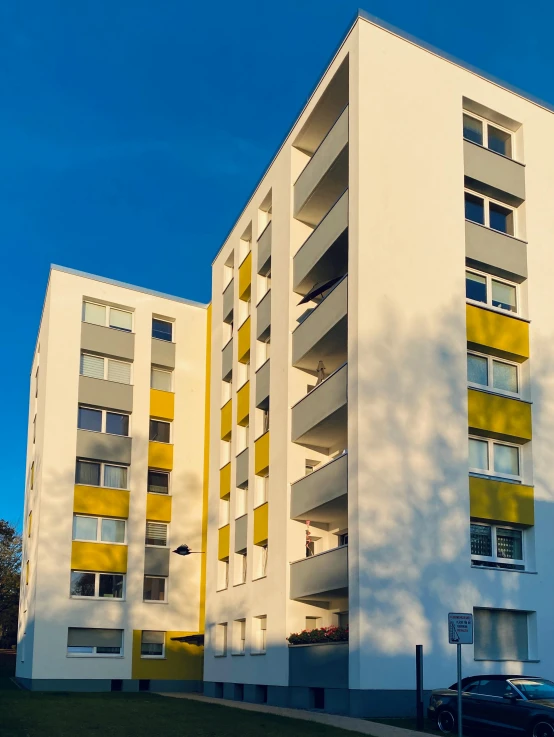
<point x="534" y="689"/>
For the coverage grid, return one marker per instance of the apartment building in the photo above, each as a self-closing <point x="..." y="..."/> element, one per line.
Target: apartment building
<point x="374" y="384"/>
<point x="114" y="483"/>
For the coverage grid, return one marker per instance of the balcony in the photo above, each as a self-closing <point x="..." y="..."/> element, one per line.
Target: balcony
<point x="225" y="480"/>
<point x="160" y="455"/>
<point x="261" y="455"/>
<point x="322" y="577"/>
<point x="263" y="317"/>
<point x="319" y="420"/>
<point x="245" y="277"/>
<point x="262" y="386"/>
<point x="323" y="336"/>
<point x="322" y="665"/>
<point x="228" y="298"/>
<point x="243" y="404"/>
<point x="104" y="447"/>
<point x="242" y="469"/>
<point x="322" y="496"/>
<point x="264" y="252"/>
<point x="158" y="507"/>
<point x="241" y="533"/>
<point x="227" y="361"/>
<point x="487" y="247"/>
<point x="243" y="353"/>
<point x="227" y="420"/>
<point x="324" y="254"/>
<point x="163" y="353"/>
<point x="502" y="335"/>
<point x="325" y="177"/>
<point x="223" y="543"/>
<point x="102" y="393"/>
<point x="107" y="341"/>
<point x="495" y="175"/>
<point x="261" y="523"/>
<point x="501" y="501"/>
<point x="494" y="416"/>
<point x="162" y="404"/>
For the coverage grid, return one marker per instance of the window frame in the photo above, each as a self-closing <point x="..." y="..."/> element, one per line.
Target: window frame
<point x="106" y="360"/>
<point x="490" y="456"/>
<point x="107" y="322"/>
<point x="96" y="596"/>
<point x="495" y="559"/>
<point x="489" y="280"/>
<point x="487" y="201"/>
<point x="150" y="545"/>
<point x="99" y="521"/>
<point x="102" y="465"/>
<point x="165" y="473"/>
<point x="163" y="422"/>
<point x="260" y="639"/>
<point x="166" y="590"/>
<point x="169" y="322"/>
<point x="485" y="126"/>
<point x="104" y="414"/>
<point x="489" y="387"/>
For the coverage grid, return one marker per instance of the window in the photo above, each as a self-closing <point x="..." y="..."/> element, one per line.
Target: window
<point x="241" y="501"/>
<point x="260" y="631"/>
<point x="221" y="639"/>
<point x="311" y="623"/>
<point x="156" y="534"/>
<point x="98" y="367"/>
<point x="160" y="431"/>
<point x="343" y="619"/>
<point x="343" y="539"/>
<point x="162" y="329"/>
<point x="222" y="574"/>
<point x="491" y="291"/>
<point x="97" y="585"/>
<point x="261" y="488"/>
<point x="98" y="420"/>
<point x="95" y="473"/>
<point x="487" y="212"/>
<point x="152" y="644"/>
<point x="488" y="135"/>
<point x="161" y="379"/>
<point x="497" y="547"/>
<point x="486" y="371"/>
<point x="91" y="641"/>
<point x="158" y="482"/>
<point x="501" y="634"/>
<point x="99" y="529"/>
<point x="224" y="517"/>
<point x="240" y="637"/>
<point x="260" y="561"/>
<point x="241" y="567"/>
<point x="154" y="588"/>
<point x="494" y="458"/>
<point x="108" y="316"/>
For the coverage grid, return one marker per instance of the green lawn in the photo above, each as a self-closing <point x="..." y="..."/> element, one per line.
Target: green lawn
<point x="26" y="714"/>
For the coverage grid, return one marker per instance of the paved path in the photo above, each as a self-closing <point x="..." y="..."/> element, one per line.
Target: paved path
<point x="333" y="720"/>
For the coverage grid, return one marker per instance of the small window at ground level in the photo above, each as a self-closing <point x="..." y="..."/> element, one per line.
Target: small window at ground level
<point x="152" y="644"/>
<point x="501" y="634"/>
<point x="94" y="641"/>
<point x="162" y="330"/>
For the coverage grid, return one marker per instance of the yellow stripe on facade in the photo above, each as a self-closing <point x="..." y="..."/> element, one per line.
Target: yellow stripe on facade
<point x="245" y="278"/>
<point x="160" y="455"/>
<point x="243" y="404"/>
<point x="104" y="557"/>
<point x="101" y="502"/>
<point x="499" y="334"/>
<point x="499" y="417"/>
<point x="162" y="404"/>
<point x="261" y="517"/>
<point x="500" y="501"/>
<point x="158" y="507"/>
<point x="261" y="455"/>
<point x="223" y="543"/>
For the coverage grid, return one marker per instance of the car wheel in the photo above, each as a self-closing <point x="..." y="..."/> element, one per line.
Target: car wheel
<point x="543" y="729"/>
<point x="446" y="722"/>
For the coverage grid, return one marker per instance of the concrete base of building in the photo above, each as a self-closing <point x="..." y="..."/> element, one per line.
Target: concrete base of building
<point x="342" y="701"/>
<point x="103" y="685"/>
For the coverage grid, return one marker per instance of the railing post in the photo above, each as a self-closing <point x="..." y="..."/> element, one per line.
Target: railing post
<point x="419" y="686"/>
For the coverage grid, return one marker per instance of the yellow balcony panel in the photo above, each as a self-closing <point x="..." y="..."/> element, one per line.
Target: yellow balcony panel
<point x="223" y="543"/>
<point x="162" y="404"/>
<point x="501" y="501"/>
<point x="245" y="278"/>
<point x="227" y="420"/>
<point x="243" y="404"/>
<point x="103" y="557"/>
<point x="225" y="480"/>
<point x="502" y="335"/>
<point x="499" y="417"/>
<point x="158" y="507"/>
<point x="243" y="355"/>
<point x="261" y="524"/>
<point x="180" y="662"/>
<point x="101" y="502"/>
<point x="160" y="455"/>
<point x="261" y="455"/>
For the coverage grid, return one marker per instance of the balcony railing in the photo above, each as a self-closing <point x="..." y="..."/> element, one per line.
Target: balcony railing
<point x="320" y="418"/>
<point x="321" y="577"/>
<point x="322" y="496"/>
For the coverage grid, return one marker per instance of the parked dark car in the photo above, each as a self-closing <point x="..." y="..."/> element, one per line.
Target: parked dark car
<point x="509" y="705"/>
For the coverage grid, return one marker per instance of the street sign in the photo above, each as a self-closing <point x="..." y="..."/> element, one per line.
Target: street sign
<point x="460" y="629"/>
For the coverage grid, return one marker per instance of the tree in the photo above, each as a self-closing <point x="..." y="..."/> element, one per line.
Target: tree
<point x="10" y="571"/>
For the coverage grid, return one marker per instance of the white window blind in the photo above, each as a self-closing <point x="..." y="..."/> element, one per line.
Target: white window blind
<point x="92" y="366"/>
<point x="119" y="371"/>
<point x="115" y="477"/>
<point x="96" y="314"/>
<point x="156" y="533"/>
<point x="501" y="634"/>
<point x="160" y="380"/>
<point x="121" y="320"/>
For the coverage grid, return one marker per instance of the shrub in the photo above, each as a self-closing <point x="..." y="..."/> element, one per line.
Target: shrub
<point x="323" y="634"/>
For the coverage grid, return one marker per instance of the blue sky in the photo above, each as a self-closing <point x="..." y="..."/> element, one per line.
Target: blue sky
<point x="143" y="126"/>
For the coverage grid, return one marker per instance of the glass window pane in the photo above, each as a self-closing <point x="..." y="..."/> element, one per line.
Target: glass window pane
<point x="476" y="287"/>
<point x="113" y="531"/>
<point x="156" y="534"/>
<point x="108" y="650"/>
<point x="154" y="589"/>
<point x="501" y="218"/>
<point x="161" y="380"/>
<point x="478" y="454"/>
<point x="121" y="320"/>
<point x="92" y="366"/>
<point x="481" y="540"/>
<point x="151" y="649"/>
<point x="88" y="473"/>
<point x="473" y="129"/>
<point x="500" y="141"/>
<point x="503" y="296"/>
<point x="119" y="371"/>
<point x="115" y="477"/>
<point x="477" y="370"/>
<point x="96" y="314"/>
<point x="159" y="431"/>
<point x="111" y="586"/>
<point x="504" y="377"/>
<point x="509" y="544"/>
<point x="85" y="528"/>
<point x="82" y="584"/>
<point x="162" y="329"/>
<point x="474" y="208"/>
<point x="117" y="424"/>
<point x="158" y="482"/>
<point x="90" y="419"/>
<point x="506" y="459"/>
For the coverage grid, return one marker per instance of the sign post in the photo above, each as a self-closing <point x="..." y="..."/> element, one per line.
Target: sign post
<point x="460" y="632"/>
